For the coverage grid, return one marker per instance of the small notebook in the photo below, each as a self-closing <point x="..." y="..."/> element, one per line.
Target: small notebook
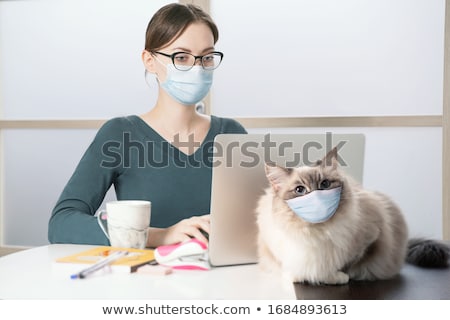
<point x="127" y="264"/>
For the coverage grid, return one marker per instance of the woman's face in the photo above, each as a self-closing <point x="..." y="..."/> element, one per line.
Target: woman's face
<point x="197" y="39"/>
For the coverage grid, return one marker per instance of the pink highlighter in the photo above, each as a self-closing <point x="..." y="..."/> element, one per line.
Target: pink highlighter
<point x="188" y="255"/>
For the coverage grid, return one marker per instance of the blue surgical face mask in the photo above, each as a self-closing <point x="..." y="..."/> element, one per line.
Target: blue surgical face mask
<point x="187" y="87"/>
<point x="316" y="206"/>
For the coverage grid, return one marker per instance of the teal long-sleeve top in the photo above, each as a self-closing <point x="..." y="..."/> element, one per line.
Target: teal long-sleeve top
<point x="141" y="165"/>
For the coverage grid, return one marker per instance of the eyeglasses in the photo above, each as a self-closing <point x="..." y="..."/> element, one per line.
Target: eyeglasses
<point x="185" y="61"/>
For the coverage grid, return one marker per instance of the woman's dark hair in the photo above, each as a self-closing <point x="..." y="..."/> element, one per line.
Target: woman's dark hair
<point x="170" y="21"/>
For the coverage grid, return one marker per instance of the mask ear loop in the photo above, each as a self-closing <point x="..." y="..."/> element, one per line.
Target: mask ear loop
<point x="155" y="75"/>
<point x="148" y="77"/>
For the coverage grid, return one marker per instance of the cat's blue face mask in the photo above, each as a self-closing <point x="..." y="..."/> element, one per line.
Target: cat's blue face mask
<point x="316" y="206"/>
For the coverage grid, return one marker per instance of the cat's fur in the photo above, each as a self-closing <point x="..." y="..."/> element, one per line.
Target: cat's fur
<point x="366" y="239"/>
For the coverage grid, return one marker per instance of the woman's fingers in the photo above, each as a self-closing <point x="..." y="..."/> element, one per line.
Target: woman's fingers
<point x="187" y="229"/>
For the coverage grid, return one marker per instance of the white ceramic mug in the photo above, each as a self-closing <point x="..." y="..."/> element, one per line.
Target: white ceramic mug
<point x="127" y="223"/>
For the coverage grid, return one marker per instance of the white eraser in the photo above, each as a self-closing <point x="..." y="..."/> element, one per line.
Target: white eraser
<point x="157" y="270"/>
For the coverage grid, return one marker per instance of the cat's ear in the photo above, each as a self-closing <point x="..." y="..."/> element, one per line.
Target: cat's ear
<point x="330" y="159"/>
<point x="277" y="175"/>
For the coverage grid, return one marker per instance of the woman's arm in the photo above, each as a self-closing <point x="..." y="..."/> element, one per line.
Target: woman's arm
<point x="72" y="219"/>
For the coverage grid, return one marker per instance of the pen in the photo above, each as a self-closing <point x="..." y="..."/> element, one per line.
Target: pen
<point x="99" y="265"/>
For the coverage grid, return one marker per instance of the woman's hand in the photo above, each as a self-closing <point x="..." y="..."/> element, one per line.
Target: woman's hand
<point x="179" y="232"/>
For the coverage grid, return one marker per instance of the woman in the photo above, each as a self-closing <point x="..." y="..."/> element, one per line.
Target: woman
<point x="164" y="155"/>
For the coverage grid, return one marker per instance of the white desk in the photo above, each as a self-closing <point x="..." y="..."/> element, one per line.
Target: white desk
<point x="29" y="274"/>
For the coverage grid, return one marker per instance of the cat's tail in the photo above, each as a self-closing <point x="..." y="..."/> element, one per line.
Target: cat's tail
<point x="428" y="253"/>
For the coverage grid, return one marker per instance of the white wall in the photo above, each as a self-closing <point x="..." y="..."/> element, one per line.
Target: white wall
<point x="71" y="59"/>
<point x="74" y="58"/>
<point x="328" y="57"/>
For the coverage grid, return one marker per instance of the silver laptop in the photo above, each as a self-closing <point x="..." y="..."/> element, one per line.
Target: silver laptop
<point x="238" y="180"/>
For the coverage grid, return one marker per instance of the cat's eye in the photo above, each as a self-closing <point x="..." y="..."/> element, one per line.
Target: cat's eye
<point x="300" y="190"/>
<point x="324" y="184"/>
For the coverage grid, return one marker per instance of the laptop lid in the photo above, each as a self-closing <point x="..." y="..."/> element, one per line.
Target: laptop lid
<point x="238" y="181"/>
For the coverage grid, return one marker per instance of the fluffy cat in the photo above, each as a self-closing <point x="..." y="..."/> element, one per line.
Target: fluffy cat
<point x="365" y="239"/>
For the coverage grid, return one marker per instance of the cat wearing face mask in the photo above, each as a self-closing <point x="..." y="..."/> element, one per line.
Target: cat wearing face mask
<point x="318" y="226"/>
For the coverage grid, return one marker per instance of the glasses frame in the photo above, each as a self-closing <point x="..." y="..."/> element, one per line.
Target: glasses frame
<point x="172" y="57"/>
